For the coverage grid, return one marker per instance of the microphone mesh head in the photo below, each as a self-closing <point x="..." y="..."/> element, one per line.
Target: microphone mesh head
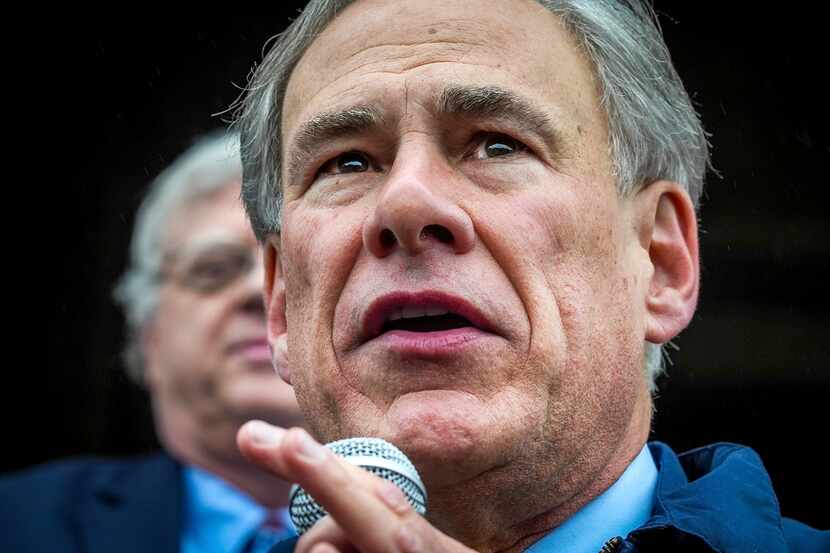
<point x="374" y="455"/>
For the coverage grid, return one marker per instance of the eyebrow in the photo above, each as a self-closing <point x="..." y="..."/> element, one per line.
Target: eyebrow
<point x="327" y="126"/>
<point x="499" y="103"/>
<point x="467" y="101"/>
<point x="209" y="242"/>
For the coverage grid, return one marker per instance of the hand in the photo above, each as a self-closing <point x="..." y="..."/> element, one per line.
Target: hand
<point x="366" y="514"/>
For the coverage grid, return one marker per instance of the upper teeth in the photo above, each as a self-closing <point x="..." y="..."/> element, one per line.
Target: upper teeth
<point x="417" y="311"/>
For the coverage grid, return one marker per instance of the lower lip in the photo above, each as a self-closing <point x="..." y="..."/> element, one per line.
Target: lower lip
<point x="430" y="344"/>
<point x="255" y="353"/>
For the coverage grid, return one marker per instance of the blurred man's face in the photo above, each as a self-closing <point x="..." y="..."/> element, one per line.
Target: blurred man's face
<point x="461" y="276"/>
<point x="208" y="364"/>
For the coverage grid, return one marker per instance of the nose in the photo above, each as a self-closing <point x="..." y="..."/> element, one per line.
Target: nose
<point x="414" y="212"/>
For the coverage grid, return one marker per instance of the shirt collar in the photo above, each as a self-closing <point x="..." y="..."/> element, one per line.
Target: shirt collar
<point x="623" y="507"/>
<point x="218" y="516"/>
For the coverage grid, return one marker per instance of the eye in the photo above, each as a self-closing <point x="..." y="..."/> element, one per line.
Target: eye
<point x="212" y="271"/>
<point x="497" y="145"/>
<point x="350" y="162"/>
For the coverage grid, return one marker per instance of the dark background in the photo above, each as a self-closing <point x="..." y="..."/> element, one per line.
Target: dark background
<point x="116" y="101"/>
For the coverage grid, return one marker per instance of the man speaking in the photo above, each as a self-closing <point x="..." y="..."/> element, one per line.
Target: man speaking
<point x="479" y="221"/>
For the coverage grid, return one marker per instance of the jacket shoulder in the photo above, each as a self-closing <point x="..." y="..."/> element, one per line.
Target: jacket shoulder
<point x="804" y="539"/>
<point x="42" y="503"/>
<point x="49" y="485"/>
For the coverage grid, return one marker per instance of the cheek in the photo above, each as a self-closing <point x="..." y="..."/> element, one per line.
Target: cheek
<point x="319" y="247"/>
<point x="188" y="339"/>
<point x="601" y="335"/>
<point x="180" y="359"/>
<point x="184" y="327"/>
<point x="533" y="235"/>
<point x="564" y="255"/>
<point x="559" y="245"/>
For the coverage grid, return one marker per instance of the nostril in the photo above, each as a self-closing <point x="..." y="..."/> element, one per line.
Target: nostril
<point x="440" y="233"/>
<point x="387" y="238"/>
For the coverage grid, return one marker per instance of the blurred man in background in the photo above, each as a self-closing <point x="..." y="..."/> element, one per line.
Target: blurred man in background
<point x="192" y="298"/>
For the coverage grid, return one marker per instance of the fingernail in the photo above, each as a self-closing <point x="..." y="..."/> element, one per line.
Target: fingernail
<point x="264" y="434"/>
<point x="310" y="449"/>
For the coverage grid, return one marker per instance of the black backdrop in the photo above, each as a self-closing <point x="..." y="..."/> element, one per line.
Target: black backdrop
<point x="115" y="101"/>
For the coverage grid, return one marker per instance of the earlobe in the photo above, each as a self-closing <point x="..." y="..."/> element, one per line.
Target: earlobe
<point x="279" y="357"/>
<point x="274" y="296"/>
<point x="672" y="243"/>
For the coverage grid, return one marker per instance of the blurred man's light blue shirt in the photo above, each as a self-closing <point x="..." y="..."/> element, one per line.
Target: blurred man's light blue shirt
<point x="219" y="518"/>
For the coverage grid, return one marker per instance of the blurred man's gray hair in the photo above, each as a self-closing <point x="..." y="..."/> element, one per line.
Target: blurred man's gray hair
<point x="654" y="130"/>
<point x="210" y="164"/>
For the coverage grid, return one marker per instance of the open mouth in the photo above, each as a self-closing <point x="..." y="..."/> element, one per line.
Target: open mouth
<point x="425" y="312"/>
<point x="431" y="320"/>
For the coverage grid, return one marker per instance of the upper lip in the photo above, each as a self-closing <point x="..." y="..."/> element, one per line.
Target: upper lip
<point x="390" y="306"/>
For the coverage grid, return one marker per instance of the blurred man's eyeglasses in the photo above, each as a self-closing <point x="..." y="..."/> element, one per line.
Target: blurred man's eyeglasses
<point x="210" y="267"/>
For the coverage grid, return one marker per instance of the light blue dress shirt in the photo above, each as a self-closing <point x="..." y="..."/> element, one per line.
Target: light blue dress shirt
<point x="623" y="507"/>
<point x="219" y="518"/>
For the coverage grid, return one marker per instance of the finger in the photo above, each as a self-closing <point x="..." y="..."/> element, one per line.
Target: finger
<point x="273" y="449"/>
<point x="325" y="531"/>
<point x="373" y="513"/>
<point x="326" y="548"/>
<point x="290" y="454"/>
<point x="345" y="491"/>
<point x="261" y="443"/>
<point x="370" y="514"/>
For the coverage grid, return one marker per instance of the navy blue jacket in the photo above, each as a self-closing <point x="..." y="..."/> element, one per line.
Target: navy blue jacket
<point x="716" y="498"/>
<point x="93" y="506"/>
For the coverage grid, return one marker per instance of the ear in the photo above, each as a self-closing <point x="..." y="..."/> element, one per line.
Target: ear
<point x="274" y="296"/>
<point x="668" y="232"/>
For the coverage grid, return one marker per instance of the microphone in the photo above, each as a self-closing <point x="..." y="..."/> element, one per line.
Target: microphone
<point x="378" y="457"/>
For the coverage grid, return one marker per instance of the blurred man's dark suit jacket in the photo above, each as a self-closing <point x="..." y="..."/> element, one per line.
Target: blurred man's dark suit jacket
<point x="94" y="506"/>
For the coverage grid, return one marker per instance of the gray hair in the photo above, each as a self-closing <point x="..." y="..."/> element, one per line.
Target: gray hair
<point x="210" y="164"/>
<point x="655" y="132"/>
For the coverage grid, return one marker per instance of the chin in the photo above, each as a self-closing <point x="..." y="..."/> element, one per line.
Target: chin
<point x="445" y="433"/>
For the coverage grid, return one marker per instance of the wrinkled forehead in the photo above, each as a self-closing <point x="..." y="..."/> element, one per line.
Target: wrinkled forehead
<point x="515" y="42"/>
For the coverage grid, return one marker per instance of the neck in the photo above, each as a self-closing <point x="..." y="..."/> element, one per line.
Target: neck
<point x="265" y="489"/>
<point x="213" y="448"/>
<point x="490" y="517"/>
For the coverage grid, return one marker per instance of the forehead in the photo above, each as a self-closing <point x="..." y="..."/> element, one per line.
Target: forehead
<point x="214" y="216"/>
<point x="384" y="51"/>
